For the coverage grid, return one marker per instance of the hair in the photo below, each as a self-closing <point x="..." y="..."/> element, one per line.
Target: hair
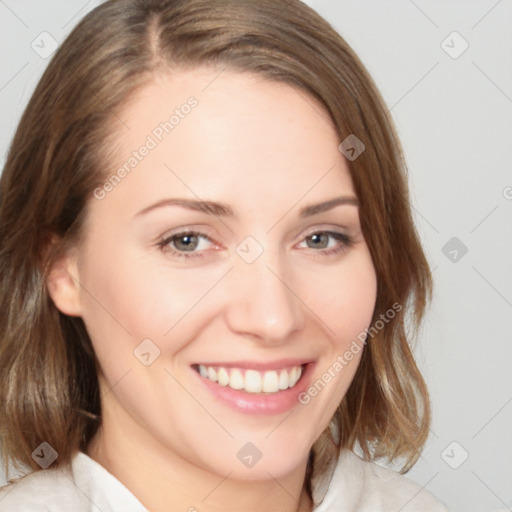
<point x="48" y="370"/>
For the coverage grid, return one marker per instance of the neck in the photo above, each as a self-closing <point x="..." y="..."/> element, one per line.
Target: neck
<point x="162" y="480"/>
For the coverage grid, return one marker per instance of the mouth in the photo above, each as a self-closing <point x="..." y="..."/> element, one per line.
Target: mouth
<point x="256" y="388"/>
<point x="253" y="381"/>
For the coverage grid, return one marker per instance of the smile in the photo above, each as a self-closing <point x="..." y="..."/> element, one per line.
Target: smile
<point x="252" y="381"/>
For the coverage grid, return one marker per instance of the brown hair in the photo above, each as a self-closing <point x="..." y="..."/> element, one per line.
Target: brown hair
<point x="47" y="366"/>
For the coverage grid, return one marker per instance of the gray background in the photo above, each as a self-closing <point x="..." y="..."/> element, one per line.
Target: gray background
<point x="453" y="110"/>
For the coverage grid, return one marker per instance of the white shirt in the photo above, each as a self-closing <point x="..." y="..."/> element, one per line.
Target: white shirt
<point x="356" y="485"/>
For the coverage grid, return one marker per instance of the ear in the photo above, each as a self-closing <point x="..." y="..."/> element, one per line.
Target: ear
<point x="63" y="284"/>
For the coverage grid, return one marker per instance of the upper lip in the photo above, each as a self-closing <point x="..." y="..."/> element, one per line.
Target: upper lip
<point x="258" y="365"/>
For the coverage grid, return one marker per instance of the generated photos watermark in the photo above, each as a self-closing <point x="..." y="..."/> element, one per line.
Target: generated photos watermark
<point x="156" y="136"/>
<point x="344" y="359"/>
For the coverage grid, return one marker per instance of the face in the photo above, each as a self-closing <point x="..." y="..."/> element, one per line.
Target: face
<point x="253" y="289"/>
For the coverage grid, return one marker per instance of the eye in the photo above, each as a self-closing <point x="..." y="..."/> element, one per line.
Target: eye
<point x="186" y="244"/>
<point x="192" y="244"/>
<point x="328" y="242"/>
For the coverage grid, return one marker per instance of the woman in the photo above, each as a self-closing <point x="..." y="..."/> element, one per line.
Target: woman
<point x="207" y="265"/>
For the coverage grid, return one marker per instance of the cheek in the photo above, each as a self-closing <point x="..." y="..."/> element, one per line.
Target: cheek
<point x="346" y="310"/>
<point x="127" y="299"/>
<point x="349" y="305"/>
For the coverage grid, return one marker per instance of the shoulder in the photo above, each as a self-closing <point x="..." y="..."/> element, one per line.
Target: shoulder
<point x="84" y="486"/>
<point x="359" y="485"/>
<point x="45" y="489"/>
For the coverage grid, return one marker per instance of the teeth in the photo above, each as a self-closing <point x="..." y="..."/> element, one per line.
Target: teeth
<point x="283" y="379"/>
<point x="212" y="373"/>
<point x="252" y="381"/>
<point x="236" y="380"/>
<point x="270" y="382"/>
<point x="223" y="377"/>
<point x="294" y="376"/>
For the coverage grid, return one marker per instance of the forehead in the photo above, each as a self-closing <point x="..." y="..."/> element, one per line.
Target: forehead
<point x="227" y="135"/>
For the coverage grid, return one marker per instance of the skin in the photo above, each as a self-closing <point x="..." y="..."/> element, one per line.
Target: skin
<point x="267" y="150"/>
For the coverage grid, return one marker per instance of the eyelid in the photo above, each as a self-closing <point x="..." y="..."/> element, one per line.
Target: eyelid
<point x="204" y="231"/>
<point x="345" y="241"/>
<point x="165" y="239"/>
<point x="325" y="227"/>
<point x="164" y="243"/>
<point x="184" y="230"/>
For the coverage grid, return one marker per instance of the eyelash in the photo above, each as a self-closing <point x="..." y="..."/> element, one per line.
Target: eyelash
<point x="164" y="244"/>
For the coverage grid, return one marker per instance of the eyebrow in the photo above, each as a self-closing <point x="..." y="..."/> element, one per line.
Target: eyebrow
<point x="224" y="210"/>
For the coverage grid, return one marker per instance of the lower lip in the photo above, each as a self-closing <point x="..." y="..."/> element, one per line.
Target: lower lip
<point x="260" y="403"/>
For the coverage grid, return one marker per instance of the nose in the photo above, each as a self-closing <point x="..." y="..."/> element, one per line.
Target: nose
<point x="262" y="302"/>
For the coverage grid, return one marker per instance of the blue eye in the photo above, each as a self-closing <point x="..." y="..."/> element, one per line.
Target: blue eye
<point x="186" y="242"/>
<point x="321" y="239"/>
<point x="191" y="244"/>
